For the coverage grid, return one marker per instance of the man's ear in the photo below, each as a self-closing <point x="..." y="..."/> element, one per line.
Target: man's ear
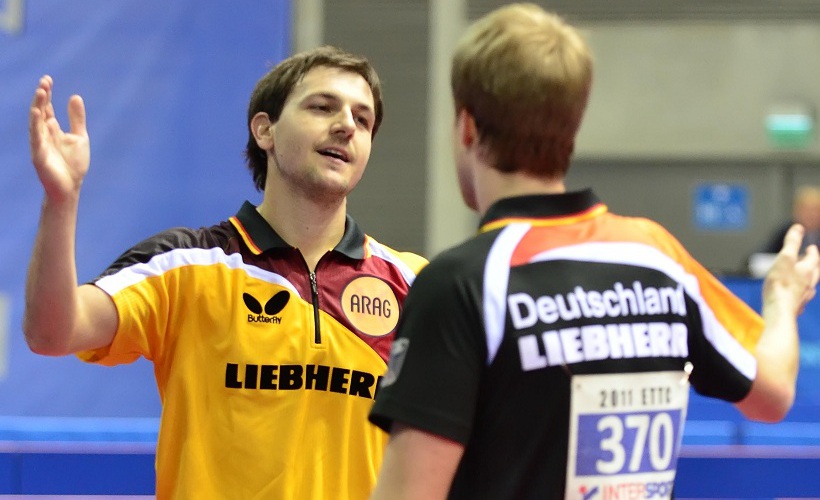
<point x="467" y="130"/>
<point x="262" y="130"/>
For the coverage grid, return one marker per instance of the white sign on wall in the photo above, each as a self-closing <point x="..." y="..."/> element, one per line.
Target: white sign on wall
<point x="11" y="16"/>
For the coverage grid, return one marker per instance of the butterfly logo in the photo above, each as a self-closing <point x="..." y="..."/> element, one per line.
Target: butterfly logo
<point x="272" y="307"/>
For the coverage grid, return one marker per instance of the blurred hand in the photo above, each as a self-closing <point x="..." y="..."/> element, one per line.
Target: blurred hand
<point x="792" y="280"/>
<point x="60" y="158"/>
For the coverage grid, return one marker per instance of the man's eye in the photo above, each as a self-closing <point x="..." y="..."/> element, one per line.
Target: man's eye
<point x="364" y="122"/>
<point x="320" y="107"/>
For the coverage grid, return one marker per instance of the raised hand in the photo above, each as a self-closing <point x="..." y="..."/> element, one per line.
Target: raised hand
<point x="60" y="158"/>
<point x="793" y="278"/>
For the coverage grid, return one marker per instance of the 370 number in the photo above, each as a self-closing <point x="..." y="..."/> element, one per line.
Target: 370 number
<point x="627" y="442"/>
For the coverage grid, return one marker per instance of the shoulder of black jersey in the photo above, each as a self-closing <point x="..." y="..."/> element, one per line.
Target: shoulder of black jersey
<point x="463" y="260"/>
<point x="216" y="236"/>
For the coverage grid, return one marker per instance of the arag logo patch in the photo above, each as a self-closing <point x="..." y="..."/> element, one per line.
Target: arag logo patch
<point x="371" y="305"/>
<point x="267" y="314"/>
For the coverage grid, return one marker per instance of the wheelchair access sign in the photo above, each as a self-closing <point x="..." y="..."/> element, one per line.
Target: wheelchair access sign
<point x="721" y="207"/>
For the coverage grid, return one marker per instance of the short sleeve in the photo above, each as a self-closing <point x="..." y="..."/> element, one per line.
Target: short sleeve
<point x="438" y="355"/>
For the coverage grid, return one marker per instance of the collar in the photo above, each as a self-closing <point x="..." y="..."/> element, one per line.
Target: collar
<point x="543" y="209"/>
<point x="260" y="237"/>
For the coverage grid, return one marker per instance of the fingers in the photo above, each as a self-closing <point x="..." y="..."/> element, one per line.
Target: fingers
<point x="48" y="84"/>
<point x="41" y="115"/>
<point x="35" y="114"/>
<point x="792" y="241"/>
<point x="41" y="109"/>
<point x="42" y="96"/>
<point x="36" y="121"/>
<point x="807" y="270"/>
<point x="811" y="260"/>
<point x="76" y="115"/>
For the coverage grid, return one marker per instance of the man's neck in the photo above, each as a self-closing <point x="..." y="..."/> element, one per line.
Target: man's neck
<point x="313" y="228"/>
<point x="493" y="185"/>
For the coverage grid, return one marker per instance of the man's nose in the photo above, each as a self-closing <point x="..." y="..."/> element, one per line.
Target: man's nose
<point x="345" y="122"/>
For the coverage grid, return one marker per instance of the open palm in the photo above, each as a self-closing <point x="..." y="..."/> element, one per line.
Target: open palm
<point x="793" y="278"/>
<point x="60" y="158"/>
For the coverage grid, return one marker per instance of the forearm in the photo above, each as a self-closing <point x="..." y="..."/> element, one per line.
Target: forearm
<point x="417" y="466"/>
<point x="51" y="312"/>
<point x="778" y="361"/>
<point x="780" y="343"/>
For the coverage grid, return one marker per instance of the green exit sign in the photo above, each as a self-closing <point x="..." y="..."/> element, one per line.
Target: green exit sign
<point x="790" y="130"/>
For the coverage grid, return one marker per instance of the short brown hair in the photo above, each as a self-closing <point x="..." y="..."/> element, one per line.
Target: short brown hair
<point x="273" y="89"/>
<point x="524" y="75"/>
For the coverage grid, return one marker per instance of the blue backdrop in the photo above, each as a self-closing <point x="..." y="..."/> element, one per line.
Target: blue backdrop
<point x="166" y="85"/>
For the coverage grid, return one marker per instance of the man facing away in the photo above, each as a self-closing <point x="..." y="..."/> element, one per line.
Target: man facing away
<point x="551" y="355"/>
<point x="268" y="331"/>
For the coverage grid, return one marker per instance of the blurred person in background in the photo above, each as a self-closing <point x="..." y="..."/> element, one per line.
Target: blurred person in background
<point x="806" y="212"/>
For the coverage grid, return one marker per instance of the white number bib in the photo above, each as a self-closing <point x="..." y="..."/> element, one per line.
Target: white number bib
<point x="625" y="435"/>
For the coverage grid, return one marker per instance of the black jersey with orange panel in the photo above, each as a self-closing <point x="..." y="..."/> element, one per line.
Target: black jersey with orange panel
<point x="558" y="346"/>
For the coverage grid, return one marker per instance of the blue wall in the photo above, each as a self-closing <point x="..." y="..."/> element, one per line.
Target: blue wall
<point x="166" y="86"/>
<point x="122" y="471"/>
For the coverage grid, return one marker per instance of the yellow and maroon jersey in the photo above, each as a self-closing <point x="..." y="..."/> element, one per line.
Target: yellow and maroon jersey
<point x="558" y="345"/>
<point x="266" y="370"/>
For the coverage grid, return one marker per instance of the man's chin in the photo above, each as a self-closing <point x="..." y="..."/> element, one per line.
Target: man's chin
<point x="329" y="191"/>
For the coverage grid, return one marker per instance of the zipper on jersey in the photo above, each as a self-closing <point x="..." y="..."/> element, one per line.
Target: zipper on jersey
<point x="314" y="291"/>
